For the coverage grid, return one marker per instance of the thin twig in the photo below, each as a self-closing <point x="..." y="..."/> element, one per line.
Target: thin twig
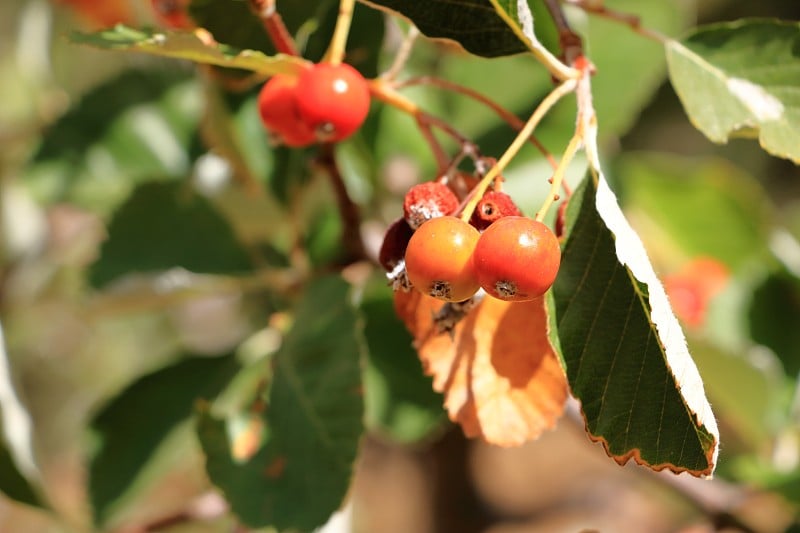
<point x="632" y="21"/>
<point x="510" y="118"/>
<point x="383" y="90"/>
<point x="402" y="55"/>
<point x="541" y="110"/>
<point x="348" y="210"/>
<point x="274" y="26"/>
<point x="336" y="49"/>
<point x="569" y="41"/>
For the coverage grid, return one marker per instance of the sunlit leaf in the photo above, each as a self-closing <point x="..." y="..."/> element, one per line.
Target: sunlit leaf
<point x="500" y="377"/>
<point x="167" y="225"/>
<point x="626" y="356"/>
<point x="197" y="46"/>
<point x="741" y="78"/>
<point x="136" y="127"/>
<point x="132" y="426"/>
<point x="313" y="421"/>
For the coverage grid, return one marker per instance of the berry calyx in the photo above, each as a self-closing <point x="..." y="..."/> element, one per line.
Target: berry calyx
<point x="277" y="104"/>
<point x="428" y="200"/>
<point x="493" y="206"/>
<point x="333" y="100"/>
<point x="517" y="259"/>
<point x="439" y="259"/>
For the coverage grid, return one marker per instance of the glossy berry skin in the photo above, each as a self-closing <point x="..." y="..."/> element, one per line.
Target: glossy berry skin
<point x="439" y="259"/>
<point x="333" y="100"/>
<point x="517" y="259"/>
<point x="277" y="104"/>
<point x="428" y="200"/>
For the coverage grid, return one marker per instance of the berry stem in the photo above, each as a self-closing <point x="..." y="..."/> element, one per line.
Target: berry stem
<point x="557" y="68"/>
<point x="541" y="110"/>
<point x="558" y="175"/>
<point x="348" y="210"/>
<point x="402" y="55"/>
<point x="336" y="49"/>
<point x="382" y="90"/>
<point x="274" y="26"/>
<point x="506" y="115"/>
<point x="632" y="21"/>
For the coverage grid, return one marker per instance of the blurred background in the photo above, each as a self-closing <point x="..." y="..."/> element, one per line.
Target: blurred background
<point x="81" y="129"/>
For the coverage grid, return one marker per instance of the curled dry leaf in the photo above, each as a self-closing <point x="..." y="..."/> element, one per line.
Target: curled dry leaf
<point x="500" y="377"/>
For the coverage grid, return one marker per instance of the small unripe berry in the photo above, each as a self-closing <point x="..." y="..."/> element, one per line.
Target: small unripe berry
<point x="493" y="206"/>
<point x="428" y="200"/>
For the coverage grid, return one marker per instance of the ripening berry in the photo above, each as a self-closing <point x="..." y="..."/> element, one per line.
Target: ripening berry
<point x="428" y="200"/>
<point x="693" y="287"/>
<point x="277" y="104"/>
<point x="333" y="100"/>
<point x="439" y="259"/>
<point x="493" y="206"/>
<point x="516" y="259"/>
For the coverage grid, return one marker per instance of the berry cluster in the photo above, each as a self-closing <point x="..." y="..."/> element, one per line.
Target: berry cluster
<point x="509" y="256"/>
<point x="325" y="103"/>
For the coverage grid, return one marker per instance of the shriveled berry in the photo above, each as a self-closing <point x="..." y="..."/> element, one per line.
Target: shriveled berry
<point x="333" y="100"/>
<point x="395" y="241"/>
<point x="561" y="218"/>
<point x="428" y="200"/>
<point x="517" y="259"/>
<point x="439" y="259"/>
<point x="493" y="206"/>
<point x="277" y="104"/>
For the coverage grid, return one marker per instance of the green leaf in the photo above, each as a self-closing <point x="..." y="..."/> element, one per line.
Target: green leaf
<point x="312" y="22"/>
<point x="774" y="318"/>
<point x="13" y="484"/>
<point x="400" y="399"/>
<point x="167" y="225"/>
<point x="188" y="45"/>
<point x="135" y="127"/>
<point x="624" y="352"/>
<point x="131" y="426"/>
<point x="300" y="475"/>
<point x="748" y="394"/>
<point x="483" y="27"/>
<point x="741" y="78"/>
<point x="622" y="88"/>
<point x="670" y="198"/>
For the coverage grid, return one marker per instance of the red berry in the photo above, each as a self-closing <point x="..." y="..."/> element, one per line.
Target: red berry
<point x="439" y="259"/>
<point x="333" y="100"/>
<point x="428" y="200"/>
<point x="692" y="288"/>
<point x="277" y="103"/>
<point x="493" y="206"/>
<point x="517" y="259"/>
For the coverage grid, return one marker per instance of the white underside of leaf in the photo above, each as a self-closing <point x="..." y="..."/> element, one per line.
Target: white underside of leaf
<point x="756" y="99"/>
<point x="17" y="425"/>
<point x="631" y="252"/>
